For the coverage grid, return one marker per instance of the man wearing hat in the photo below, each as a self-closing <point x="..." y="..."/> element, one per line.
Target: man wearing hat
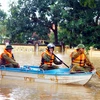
<point x="7" y="58"/>
<point x="79" y="60"/>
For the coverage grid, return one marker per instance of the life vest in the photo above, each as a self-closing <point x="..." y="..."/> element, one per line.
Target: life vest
<point x="80" y="60"/>
<point x="0" y="59"/>
<point x="43" y="60"/>
<point x="10" y="55"/>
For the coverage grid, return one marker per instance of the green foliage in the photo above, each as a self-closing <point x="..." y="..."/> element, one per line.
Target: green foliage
<point x="3" y="29"/>
<point x="89" y="3"/>
<point x="81" y="26"/>
<point x="73" y="21"/>
<point x="2" y="16"/>
<point x="36" y="16"/>
<point x="24" y="19"/>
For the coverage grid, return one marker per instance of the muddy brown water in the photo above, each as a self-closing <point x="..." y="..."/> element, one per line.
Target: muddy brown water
<point x="22" y="90"/>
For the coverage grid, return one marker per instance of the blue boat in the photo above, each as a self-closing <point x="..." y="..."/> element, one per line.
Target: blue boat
<point x="35" y="74"/>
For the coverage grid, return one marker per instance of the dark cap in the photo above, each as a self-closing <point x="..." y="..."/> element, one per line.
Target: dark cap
<point x="9" y="47"/>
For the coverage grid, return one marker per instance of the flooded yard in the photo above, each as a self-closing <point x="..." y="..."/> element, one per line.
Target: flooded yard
<point x="22" y="90"/>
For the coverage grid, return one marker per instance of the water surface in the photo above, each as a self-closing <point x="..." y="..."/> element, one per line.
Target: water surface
<point x="22" y="90"/>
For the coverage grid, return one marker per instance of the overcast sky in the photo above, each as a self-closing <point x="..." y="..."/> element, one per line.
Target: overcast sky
<point x="5" y="4"/>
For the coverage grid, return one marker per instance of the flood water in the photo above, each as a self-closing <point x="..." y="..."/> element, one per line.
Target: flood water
<point x="22" y="90"/>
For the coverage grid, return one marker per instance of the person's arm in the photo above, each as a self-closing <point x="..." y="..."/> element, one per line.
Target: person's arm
<point x="75" y="54"/>
<point x="57" y="62"/>
<point x="8" y="58"/>
<point x="88" y="62"/>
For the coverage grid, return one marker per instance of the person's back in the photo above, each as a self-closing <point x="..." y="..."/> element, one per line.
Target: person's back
<point x="7" y="58"/>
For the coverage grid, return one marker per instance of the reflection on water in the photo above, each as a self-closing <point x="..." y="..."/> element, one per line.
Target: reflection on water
<point x="21" y="90"/>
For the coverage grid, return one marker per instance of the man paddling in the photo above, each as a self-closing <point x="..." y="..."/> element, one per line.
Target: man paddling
<point x="48" y="58"/>
<point x="80" y="61"/>
<point x="7" y="58"/>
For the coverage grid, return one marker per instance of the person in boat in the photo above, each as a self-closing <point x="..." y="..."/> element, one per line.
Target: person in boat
<point x="48" y="58"/>
<point x="7" y="58"/>
<point x="80" y="61"/>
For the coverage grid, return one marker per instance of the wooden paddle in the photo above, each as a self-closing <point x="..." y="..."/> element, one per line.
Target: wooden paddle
<point x="98" y="74"/>
<point x="61" y="60"/>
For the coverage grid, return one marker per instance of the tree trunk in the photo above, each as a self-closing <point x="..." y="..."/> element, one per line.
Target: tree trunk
<point x="55" y="30"/>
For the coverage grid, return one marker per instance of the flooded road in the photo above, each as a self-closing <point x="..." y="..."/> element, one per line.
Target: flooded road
<point x="22" y="90"/>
